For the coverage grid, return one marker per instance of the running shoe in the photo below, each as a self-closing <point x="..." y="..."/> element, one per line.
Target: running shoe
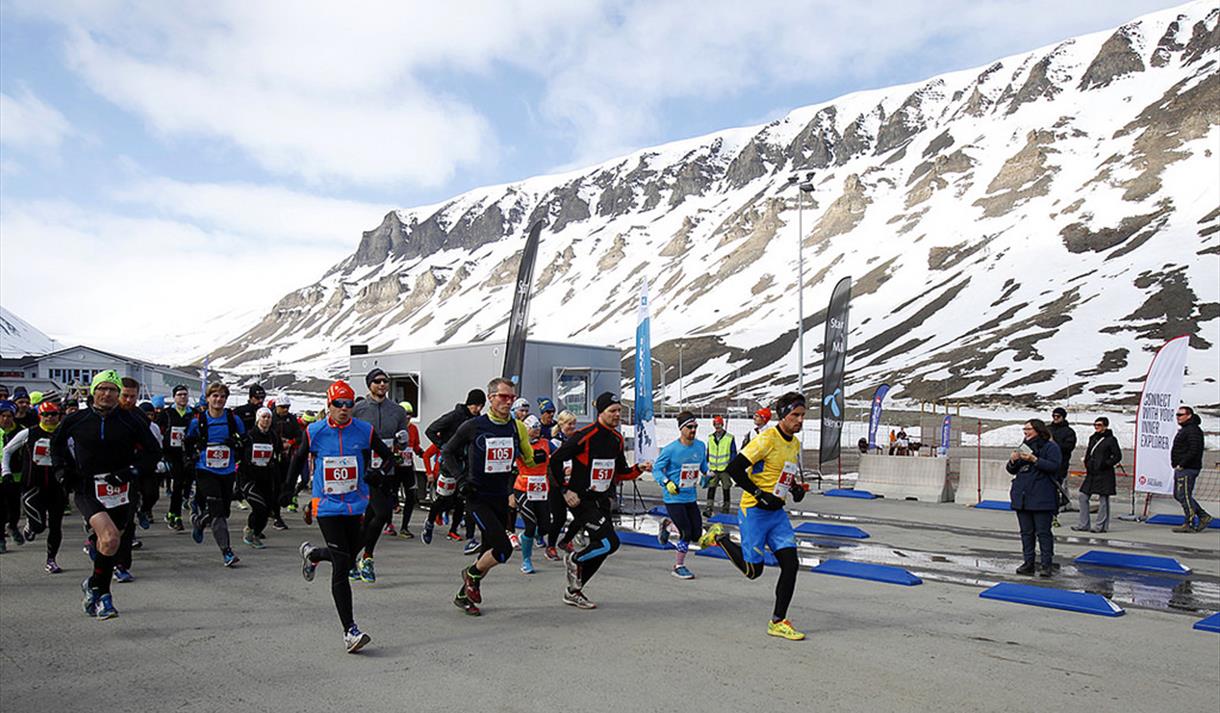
<point x="123" y="575"/>
<point x="354" y="639"/>
<point x="28" y="534"/>
<point x="581" y="540"/>
<point x="16" y="535"/>
<point x="89" y="603"/>
<point x="197" y="529"/>
<point x="1204" y="522"/>
<point x="241" y="505"/>
<point x="230" y="559"/>
<point x="137" y="543"/>
<point x="367" y="573"/>
<point x="405" y="534"/>
<point x="453" y="536"/>
<point x="427" y="533"/>
<point x="552" y="554"/>
<point x="514" y="540"/>
<point x="105" y="607"/>
<point x="308" y="569"/>
<point x="577" y="598"/>
<point x="250" y="537"/>
<point x="389" y="530"/>
<point x="470" y="585"/>
<point x="307" y="516"/>
<point x="144" y="519"/>
<point x="572" y="570"/>
<point x="461" y="602"/>
<point x="709" y="538"/>
<point x="279" y="524"/>
<point x="527" y="567"/>
<point x="663" y="533"/>
<point x="540" y="540"/>
<point x="354" y="574"/>
<point x="681" y="572"/>
<point x="472" y="546"/>
<point x="51" y="567"/>
<point x="567" y="547"/>
<point x="783" y="629"/>
<point x="292" y="506"/>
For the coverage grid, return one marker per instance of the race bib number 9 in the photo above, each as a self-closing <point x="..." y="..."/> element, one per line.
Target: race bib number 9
<point x="535" y="487"/>
<point x="111" y="496"/>
<point x="498" y="455"/>
<point x="787" y="477"/>
<point x="176" y="434"/>
<point x="260" y="454"/>
<point x="339" y="474"/>
<point x="217" y="456"/>
<point x="445" y="486"/>
<point x="689" y="475"/>
<point x="42" y="451"/>
<point x="601" y="473"/>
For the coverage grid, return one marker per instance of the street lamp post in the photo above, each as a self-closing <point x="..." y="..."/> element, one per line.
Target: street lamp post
<point x="803" y="188"/>
<point x="681" y="380"/>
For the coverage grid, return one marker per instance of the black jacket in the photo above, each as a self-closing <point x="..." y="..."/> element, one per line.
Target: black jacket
<point x="1187" y="450"/>
<point x="103" y="443"/>
<point x="1065" y="438"/>
<point x="443" y="428"/>
<point x="1100" y="458"/>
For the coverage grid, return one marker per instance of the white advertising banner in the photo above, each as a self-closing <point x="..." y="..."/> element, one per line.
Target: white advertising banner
<point x="1155" y="423"/>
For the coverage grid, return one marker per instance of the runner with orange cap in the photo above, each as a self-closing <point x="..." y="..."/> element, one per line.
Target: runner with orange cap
<point x="341" y="448"/>
<point x="43" y="498"/>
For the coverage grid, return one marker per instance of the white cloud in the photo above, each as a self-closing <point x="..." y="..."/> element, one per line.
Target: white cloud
<point x="28" y="123"/>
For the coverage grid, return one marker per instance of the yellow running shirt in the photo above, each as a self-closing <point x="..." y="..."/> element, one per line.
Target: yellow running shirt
<point x="779" y="456"/>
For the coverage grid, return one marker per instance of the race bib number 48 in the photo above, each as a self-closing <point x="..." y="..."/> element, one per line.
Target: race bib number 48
<point x="111" y="496"/>
<point x="339" y="474"/>
<point x="601" y="473"/>
<point x="216" y="456"/>
<point x="787" y="477"/>
<point x="498" y="455"/>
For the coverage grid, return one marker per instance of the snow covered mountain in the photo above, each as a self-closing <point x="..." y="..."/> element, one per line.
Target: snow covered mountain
<point x="1017" y="232"/>
<point x="19" y="338"/>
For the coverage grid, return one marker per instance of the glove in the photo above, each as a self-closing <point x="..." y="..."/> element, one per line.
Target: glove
<point x="539" y="456"/>
<point x="119" y="478"/>
<point x="798" y="492"/>
<point x="400" y="439"/>
<point x="374" y="478"/>
<point x="769" y="501"/>
<point x="162" y="467"/>
<point x="671" y="487"/>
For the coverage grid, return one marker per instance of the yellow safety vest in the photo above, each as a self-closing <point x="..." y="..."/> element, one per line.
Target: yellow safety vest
<point x="718" y="451"/>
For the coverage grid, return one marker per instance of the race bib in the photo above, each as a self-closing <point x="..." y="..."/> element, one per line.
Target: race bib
<point x="787" y="477"/>
<point x="42" y="451"/>
<point x="260" y="454"/>
<point x="176" y="435"/>
<point x="535" y="487"/>
<point x="689" y="475"/>
<point x="601" y="473"/>
<point x="445" y="486"/>
<point x="112" y="496"/>
<point x="339" y="474"/>
<point x="375" y="460"/>
<point x="217" y="456"/>
<point x="498" y="455"/>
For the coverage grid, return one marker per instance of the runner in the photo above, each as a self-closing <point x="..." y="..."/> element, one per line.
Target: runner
<point x="446" y="501"/>
<point x="480" y="457"/>
<point x="565" y="426"/>
<point x="388" y="419"/>
<point x="530" y="491"/>
<point x="174" y="421"/>
<point x="339" y="446"/>
<point x="10" y="484"/>
<point x="43" y="497"/>
<point x="248" y="411"/>
<point x="679" y="468"/>
<point x="761" y="517"/>
<point x="128" y="542"/>
<point x="407" y="478"/>
<point x="150" y="487"/>
<point x="96" y="453"/>
<point x="219" y="437"/>
<point x="259" y="470"/>
<point x="546" y="417"/>
<point x="596" y="454"/>
<point x="288" y="427"/>
<point x="442" y="429"/>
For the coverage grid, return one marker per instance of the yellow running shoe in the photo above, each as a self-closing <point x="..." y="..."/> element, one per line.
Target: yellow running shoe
<point x="709" y="537"/>
<point x="784" y="630"/>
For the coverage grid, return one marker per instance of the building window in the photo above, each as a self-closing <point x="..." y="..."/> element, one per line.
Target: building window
<point x="573" y="393"/>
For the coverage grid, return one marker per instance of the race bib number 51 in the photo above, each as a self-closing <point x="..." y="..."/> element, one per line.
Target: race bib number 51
<point x="339" y="474"/>
<point x="601" y="473"/>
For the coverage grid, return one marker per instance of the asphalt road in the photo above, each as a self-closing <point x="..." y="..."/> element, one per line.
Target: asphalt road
<point x="194" y="636"/>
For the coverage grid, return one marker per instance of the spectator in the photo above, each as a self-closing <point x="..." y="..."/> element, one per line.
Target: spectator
<point x="893" y="441"/>
<point x="1033" y="495"/>
<point x="903" y="443"/>
<point x="1100" y="458"/>
<point x="1065" y="437"/>
<point x="1186" y="457"/>
<point x="862" y="444"/>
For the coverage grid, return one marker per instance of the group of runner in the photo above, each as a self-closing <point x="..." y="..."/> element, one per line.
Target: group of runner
<point x="112" y="455"/>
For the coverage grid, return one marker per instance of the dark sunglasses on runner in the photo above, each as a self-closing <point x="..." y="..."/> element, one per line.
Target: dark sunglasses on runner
<point x="380" y="381"/>
<point x="343" y="403"/>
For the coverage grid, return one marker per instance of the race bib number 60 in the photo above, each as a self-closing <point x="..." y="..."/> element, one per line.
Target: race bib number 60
<point x="601" y="473"/>
<point x="339" y="474"/>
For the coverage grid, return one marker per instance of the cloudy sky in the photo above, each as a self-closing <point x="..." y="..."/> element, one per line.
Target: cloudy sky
<point x="165" y="163"/>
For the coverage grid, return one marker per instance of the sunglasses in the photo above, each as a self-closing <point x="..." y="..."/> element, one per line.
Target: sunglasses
<point x="1099" y="425"/>
<point x="380" y="381"/>
<point x="1183" y="413"/>
<point x="504" y="397"/>
<point x="343" y="403"/>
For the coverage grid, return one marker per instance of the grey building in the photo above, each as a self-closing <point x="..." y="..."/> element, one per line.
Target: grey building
<point x="76" y="366"/>
<point x="436" y="378"/>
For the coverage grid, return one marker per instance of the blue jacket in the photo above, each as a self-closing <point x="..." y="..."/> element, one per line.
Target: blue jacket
<point x="218" y="435"/>
<point x="352" y="441"/>
<point x="668" y="466"/>
<point x="1033" y="484"/>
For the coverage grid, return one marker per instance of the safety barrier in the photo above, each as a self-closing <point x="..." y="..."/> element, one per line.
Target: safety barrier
<point x="924" y="479"/>
<point x="991" y="479"/>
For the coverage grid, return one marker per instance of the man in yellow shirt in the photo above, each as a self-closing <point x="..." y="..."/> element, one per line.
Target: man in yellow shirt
<point x="761" y="518"/>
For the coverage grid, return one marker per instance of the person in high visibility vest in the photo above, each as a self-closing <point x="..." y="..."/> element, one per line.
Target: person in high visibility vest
<point x="721" y="448"/>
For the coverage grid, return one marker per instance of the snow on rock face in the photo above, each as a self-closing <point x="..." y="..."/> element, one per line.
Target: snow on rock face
<point x="19" y="338"/>
<point x="1018" y="232"/>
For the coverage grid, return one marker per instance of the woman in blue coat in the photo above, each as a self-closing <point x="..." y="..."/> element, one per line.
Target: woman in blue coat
<point x="1034" y="495"/>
